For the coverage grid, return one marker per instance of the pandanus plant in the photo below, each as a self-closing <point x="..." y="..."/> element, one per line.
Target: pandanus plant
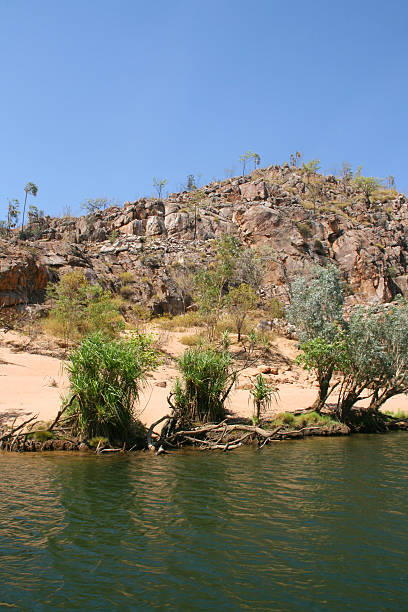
<point x="262" y="396"/>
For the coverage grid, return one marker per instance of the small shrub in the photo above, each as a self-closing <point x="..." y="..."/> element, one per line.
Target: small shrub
<point x="262" y="395"/>
<point x="114" y="235"/>
<point x="303" y="229"/>
<point x="81" y="309"/>
<point x="318" y="247"/>
<point x="127" y="277"/>
<point x="274" y="308"/>
<point x="96" y="440"/>
<point x="126" y="291"/>
<point x="141" y="312"/>
<point x="181" y="322"/>
<point x="42" y="435"/>
<point x="191" y="339"/>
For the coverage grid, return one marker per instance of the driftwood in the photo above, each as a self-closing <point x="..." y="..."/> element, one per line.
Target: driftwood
<point x="12" y="432"/>
<point x="61" y="412"/>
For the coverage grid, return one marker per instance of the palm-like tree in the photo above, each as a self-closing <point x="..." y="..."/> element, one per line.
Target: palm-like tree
<point x="29" y="188"/>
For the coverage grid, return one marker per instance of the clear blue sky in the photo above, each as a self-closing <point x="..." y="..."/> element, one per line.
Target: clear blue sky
<point x="99" y="96"/>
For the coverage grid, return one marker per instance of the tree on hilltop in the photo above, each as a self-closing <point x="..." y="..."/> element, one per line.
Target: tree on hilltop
<point x="367" y="184"/>
<point x="13" y="212"/>
<point x="29" y="188"/>
<point x="158" y="184"/>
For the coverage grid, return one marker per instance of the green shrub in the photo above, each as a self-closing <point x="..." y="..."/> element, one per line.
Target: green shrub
<point x="42" y="435"/>
<point x="274" y="308"/>
<point x="180" y="322"/>
<point x="81" y="309"/>
<point x="107" y="376"/>
<point x="262" y="395"/>
<point x="96" y="440"/>
<point x="191" y="339"/>
<point x="126" y="291"/>
<point x="303" y="229"/>
<point x="127" y="277"/>
<point x="205" y="385"/>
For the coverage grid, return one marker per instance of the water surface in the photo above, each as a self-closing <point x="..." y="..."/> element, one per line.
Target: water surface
<point x="311" y="525"/>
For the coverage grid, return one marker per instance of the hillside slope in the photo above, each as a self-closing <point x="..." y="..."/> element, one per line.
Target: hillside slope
<point x="303" y="220"/>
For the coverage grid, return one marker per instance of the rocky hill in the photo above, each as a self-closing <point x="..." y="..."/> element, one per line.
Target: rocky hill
<point x="303" y="219"/>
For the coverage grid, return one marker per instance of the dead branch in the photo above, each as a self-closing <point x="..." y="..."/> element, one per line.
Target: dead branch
<point x="61" y="412"/>
<point x="13" y="429"/>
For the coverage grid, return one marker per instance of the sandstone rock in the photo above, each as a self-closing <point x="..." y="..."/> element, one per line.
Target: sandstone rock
<point x="252" y="191"/>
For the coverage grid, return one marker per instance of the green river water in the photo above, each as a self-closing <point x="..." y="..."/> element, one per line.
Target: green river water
<point x="318" y="524"/>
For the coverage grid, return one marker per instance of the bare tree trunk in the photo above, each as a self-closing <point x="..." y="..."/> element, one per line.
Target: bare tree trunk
<point x="24" y="209"/>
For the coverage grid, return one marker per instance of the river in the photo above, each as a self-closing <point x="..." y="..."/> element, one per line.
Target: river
<point x="314" y="525"/>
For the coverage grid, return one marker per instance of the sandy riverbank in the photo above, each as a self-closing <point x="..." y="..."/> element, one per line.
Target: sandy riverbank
<point x="33" y="384"/>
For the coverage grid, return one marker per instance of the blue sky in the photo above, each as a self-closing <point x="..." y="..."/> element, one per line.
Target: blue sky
<point x="99" y="96"/>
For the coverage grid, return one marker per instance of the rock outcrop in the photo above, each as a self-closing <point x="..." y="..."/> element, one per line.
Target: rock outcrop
<point x="275" y="207"/>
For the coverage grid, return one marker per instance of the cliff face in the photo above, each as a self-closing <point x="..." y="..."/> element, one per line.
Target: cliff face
<point x="303" y="221"/>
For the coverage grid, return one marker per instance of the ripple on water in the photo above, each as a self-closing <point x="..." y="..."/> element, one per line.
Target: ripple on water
<point x="310" y="525"/>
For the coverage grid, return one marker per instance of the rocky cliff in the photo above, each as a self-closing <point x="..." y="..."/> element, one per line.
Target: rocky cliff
<point x="304" y="220"/>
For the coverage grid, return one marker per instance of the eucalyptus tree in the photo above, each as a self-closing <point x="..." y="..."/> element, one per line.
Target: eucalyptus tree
<point x="374" y="362"/>
<point x="316" y="311"/>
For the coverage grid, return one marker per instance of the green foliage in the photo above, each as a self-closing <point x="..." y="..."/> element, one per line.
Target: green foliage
<point x="309" y="419"/>
<point x="158" y="184"/>
<point x="127" y="277"/>
<point x="316" y="304"/>
<point x="30" y="188"/>
<point x="367" y="184"/>
<point x="13" y="213"/>
<point x="311" y="167"/>
<point x="126" y="291"/>
<point x="98" y="440"/>
<point x="232" y="266"/>
<point x="274" y="308"/>
<point x="303" y="229"/>
<point x="92" y="205"/>
<point x="81" y="308"/>
<point x="262" y="395"/>
<point x="377" y="355"/>
<point x="206" y="382"/>
<point x="114" y="235"/>
<point x="107" y="376"/>
<point x="240" y="301"/>
<point x="247" y="157"/>
<point x="42" y="435"/>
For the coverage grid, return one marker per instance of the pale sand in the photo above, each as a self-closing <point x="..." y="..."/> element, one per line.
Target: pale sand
<point x="33" y="384"/>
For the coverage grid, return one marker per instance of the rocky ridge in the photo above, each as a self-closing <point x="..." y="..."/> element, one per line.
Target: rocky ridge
<point x="275" y="207"/>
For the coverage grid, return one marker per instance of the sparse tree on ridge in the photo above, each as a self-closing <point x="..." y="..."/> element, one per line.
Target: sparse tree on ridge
<point x="295" y="159"/>
<point x="191" y="183"/>
<point x="29" y="188"/>
<point x="158" y="184"/>
<point x="391" y="182"/>
<point x="311" y="168"/>
<point x="247" y="157"/>
<point x="367" y="184"/>
<point x="13" y="212"/>
<point x="92" y="205"/>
